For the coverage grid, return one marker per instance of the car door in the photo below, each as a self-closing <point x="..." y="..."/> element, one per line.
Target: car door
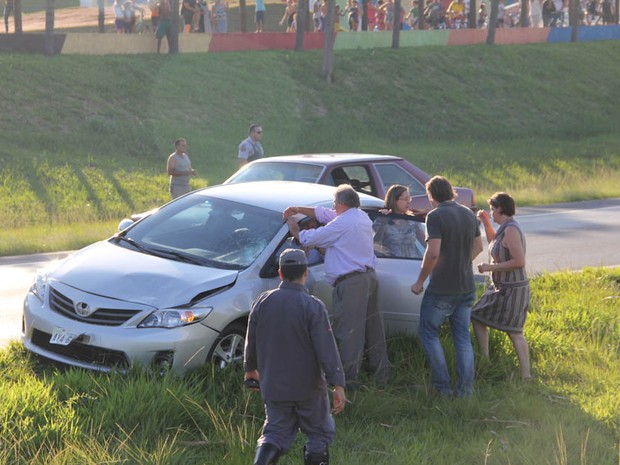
<point x="399" y="242"/>
<point x="396" y="271"/>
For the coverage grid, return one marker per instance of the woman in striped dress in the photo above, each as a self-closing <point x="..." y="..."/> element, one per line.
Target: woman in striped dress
<point x="504" y="304"/>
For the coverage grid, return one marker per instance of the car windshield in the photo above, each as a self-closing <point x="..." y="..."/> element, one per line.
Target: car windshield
<point x="205" y="231"/>
<point x="278" y="171"/>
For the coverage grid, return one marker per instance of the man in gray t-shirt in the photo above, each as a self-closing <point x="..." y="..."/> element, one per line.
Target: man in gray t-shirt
<point x="453" y="241"/>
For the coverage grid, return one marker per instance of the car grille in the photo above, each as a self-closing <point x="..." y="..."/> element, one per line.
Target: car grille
<point x="102" y="316"/>
<point x="82" y="352"/>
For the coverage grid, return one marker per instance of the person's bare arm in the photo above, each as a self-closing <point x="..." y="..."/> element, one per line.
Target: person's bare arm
<point x="431" y="257"/>
<point x="512" y="241"/>
<point x="489" y="232"/>
<point x="290" y="211"/>
<point x="171" y="166"/>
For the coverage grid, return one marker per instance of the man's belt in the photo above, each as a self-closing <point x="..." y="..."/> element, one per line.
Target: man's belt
<point x="344" y="277"/>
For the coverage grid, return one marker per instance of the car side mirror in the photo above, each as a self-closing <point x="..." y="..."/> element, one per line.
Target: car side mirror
<point x="124" y="224"/>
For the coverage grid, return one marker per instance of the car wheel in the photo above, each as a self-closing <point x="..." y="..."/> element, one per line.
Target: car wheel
<point x="228" y="347"/>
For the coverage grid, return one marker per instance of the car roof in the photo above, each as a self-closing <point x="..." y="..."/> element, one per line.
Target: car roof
<point x="277" y="195"/>
<point x="328" y="158"/>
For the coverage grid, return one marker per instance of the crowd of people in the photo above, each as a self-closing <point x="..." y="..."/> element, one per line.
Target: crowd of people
<point x="200" y="16"/>
<point x="381" y="14"/>
<point x="294" y="353"/>
<point x="196" y="15"/>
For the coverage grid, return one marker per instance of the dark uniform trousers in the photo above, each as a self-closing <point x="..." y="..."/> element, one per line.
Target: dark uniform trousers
<point x="312" y="417"/>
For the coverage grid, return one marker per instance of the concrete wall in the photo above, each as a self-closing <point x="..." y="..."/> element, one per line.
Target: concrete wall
<point x="107" y="44"/>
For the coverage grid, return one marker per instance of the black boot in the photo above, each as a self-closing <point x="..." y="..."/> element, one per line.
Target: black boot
<point x="316" y="459"/>
<point x="266" y="454"/>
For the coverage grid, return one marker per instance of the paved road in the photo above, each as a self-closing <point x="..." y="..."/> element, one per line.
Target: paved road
<point x="568" y="236"/>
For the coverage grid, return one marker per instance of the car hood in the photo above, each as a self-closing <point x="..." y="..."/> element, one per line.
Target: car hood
<point x="108" y="270"/>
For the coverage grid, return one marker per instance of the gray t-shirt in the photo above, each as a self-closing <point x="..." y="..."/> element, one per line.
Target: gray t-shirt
<point x="457" y="227"/>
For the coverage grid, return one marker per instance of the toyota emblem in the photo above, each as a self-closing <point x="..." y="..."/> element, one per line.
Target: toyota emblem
<point x="82" y="309"/>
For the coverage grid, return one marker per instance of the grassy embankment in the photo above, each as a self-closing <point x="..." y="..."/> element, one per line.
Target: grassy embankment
<point x="569" y="414"/>
<point x="85" y="139"/>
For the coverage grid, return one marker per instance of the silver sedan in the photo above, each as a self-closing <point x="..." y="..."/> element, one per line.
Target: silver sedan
<point x="174" y="289"/>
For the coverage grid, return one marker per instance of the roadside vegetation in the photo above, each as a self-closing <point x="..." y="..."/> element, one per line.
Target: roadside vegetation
<point x="569" y="413"/>
<point x="85" y="138"/>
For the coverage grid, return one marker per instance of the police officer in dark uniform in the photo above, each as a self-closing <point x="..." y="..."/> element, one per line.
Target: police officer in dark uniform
<point x="290" y="348"/>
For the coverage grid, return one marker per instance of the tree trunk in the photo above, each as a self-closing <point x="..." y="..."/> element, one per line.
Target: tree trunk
<point x="17" y="16"/>
<point x="492" y="23"/>
<point x="616" y="12"/>
<point x="471" y="15"/>
<point x="173" y="41"/>
<point x="396" y="25"/>
<point x="573" y="19"/>
<point x="302" y="9"/>
<point x="243" y="16"/>
<point x="328" y="49"/>
<point x="524" y="17"/>
<point x="49" y="27"/>
<point x="101" y="17"/>
<point x="364" y="15"/>
<point x="421" y="25"/>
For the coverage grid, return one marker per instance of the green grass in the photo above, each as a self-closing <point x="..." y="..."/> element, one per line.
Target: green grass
<point x="85" y="138"/>
<point x="569" y="414"/>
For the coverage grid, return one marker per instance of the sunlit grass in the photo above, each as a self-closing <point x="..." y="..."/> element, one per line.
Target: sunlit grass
<point x="53" y="238"/>
<point x="569" y="414"/>
<point x="85" y="139"/>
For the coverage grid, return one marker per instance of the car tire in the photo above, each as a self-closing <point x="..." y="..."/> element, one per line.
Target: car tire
<point x="229" y="346"/>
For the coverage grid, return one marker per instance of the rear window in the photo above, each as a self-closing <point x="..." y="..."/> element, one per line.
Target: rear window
<point x="275" y="171"/>
<point x="391" y="173"/>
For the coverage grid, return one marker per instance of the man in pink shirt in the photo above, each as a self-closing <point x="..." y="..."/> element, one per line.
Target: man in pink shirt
<point x="347" y="238"/>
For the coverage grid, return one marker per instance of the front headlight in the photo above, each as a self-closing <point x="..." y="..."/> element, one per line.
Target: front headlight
<point x="39" y="286"/>
<point x="175" y="317"/>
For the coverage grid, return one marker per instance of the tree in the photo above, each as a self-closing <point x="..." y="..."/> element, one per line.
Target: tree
<point x="524" y="17"/>
<point x="243" y="16"/>
<point x="173" y="42"/>
<point x="421" y="8"/>
<point x="17" y="16"/>
<point x="101" y="16"/>
<point x="364" y="15"/>
<point x="302" y="16"/>
<point x="328" y="49"/>
<point x="573" y="19"/>
<point x="471" y="14"/>
<point x="492" y="22"/>
<point x="49" y="27"/>
<point x="396" y="24"/>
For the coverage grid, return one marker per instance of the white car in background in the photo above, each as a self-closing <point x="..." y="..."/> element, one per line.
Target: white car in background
<point x="174" y="290"/>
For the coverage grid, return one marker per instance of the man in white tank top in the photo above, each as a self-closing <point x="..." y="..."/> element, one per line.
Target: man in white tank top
<point x="180" y="169"/>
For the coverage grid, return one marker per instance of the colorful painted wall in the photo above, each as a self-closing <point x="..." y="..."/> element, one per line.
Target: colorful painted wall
<point x="110" y="44"/>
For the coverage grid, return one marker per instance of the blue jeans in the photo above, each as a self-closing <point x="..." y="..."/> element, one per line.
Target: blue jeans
<point x="435" y="309"/>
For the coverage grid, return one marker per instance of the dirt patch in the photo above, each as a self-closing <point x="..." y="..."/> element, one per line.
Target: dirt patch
<point x="68" y="18"/>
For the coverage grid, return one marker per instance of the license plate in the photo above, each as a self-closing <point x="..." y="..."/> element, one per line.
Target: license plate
<point x="62" y="337"/>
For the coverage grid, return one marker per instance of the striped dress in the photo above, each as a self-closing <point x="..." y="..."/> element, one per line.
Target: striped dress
<point x="504" y="304"/>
